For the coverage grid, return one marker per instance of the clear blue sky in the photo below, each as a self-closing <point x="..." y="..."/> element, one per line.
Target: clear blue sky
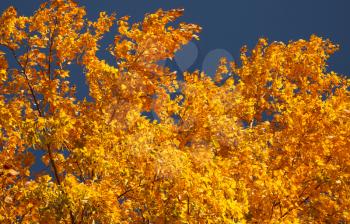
<point x="230" y="24"/>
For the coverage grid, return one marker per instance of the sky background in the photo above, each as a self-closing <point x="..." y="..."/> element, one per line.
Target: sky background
<point x="228" y="24"/>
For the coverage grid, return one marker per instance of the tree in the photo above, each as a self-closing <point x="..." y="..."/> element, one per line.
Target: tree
<point x="265" y="140"/>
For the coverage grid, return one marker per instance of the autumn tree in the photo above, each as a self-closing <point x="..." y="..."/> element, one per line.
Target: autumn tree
<point x="264" y="141"/>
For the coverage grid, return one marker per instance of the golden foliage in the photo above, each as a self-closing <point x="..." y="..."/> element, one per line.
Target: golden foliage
<point x="267" y="144"/>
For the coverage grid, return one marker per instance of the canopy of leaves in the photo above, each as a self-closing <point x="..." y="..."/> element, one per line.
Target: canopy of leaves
<point x="265" y="141"/>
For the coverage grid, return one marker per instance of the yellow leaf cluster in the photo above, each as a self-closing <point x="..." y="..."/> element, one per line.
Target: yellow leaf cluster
<point x="268" y="144"/>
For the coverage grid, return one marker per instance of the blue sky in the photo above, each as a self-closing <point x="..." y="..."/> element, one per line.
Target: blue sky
<point x="227" y="24"/>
